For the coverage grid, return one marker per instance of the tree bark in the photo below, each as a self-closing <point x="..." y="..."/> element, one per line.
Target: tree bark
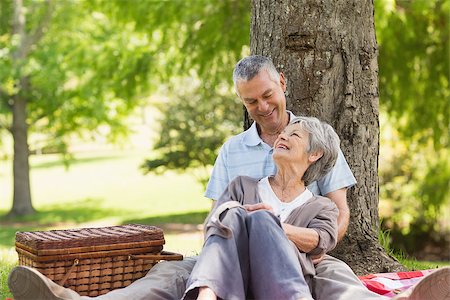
<point x="328" y="52"/>
<point x="22" y="204"/>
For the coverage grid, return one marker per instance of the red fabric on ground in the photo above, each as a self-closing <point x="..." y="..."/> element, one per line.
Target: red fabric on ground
<point x="391" y="284"/>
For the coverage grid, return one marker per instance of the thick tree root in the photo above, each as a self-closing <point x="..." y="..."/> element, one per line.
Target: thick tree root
<point x="366" y="257"/>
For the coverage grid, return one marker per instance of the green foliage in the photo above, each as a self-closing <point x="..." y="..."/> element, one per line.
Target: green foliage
<point x="86" y="72"/>
<point x="98" y="60"/>
<point x="414" y="179"/>
<point x="413" y="38"/>
<point x="414" y="172"/>
<point x="203" y="35"/>
<point x="207" y="39"/>
<point x="414" y="188"/>
<point x="193" y="129"/>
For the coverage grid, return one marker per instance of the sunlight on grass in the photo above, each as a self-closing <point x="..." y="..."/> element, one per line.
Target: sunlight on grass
<point x="116" y="183"/>
<point x="8" y="259"/>
<point x="102" y="189"/>
<point x="188" y="244"/>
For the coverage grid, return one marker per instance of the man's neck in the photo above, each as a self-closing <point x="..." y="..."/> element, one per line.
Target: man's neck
<point x="269" y="139"/>
<point x="269" y="136"/>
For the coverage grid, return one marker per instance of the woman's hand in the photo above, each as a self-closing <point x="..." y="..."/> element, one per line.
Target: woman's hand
<point x="305" y="239"/>
<point x="258" y="206"/>
<point x="317" y="258"/>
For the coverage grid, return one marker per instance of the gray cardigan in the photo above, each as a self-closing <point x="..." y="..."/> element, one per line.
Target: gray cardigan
<point x="318" y="213"/>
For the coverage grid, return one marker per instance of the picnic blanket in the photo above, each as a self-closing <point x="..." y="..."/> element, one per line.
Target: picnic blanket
<point x="391" y="284"/>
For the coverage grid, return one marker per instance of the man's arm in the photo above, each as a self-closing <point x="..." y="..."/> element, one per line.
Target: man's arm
<point x="339" y="197"/>
<point x="334" y="185"/>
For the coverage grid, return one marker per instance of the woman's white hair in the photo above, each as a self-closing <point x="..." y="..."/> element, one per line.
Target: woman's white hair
<point x="322" y="138"/>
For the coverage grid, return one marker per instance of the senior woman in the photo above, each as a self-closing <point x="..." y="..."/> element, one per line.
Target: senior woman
<point x="262" y="232"/>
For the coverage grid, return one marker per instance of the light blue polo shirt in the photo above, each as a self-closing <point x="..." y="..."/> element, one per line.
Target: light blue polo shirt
<point x="247" y="154"/>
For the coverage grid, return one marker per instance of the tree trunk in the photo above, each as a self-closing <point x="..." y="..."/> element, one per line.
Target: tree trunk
<point x="22" y="204"/>
<point x="328" y="52"/>
<point x="22" y="196"/>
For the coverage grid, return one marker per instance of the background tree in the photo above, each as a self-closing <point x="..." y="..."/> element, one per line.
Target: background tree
<point x="207" y="38"/>
<point x="208" y="115"/>
<point x="328" y="53"/>
<point x="415" y="98"/>
<point x="65" y="69"/>
<point x="414" y="66"/>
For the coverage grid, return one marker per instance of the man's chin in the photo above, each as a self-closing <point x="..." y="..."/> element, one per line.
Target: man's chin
<point x="270" y="120"/>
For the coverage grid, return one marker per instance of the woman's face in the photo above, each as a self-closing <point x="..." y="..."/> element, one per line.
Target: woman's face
<point x="291" y="145"/>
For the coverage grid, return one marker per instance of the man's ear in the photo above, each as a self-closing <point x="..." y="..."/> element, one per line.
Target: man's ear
<point x="282" y="82"/>
<point x="313" y="157"/>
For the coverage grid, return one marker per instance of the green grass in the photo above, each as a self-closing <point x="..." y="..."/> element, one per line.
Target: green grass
<point x="413" y="264"/>
<point x="100" y="190"/>
<point x="384" y="236"/>
<point x="7" y="262"/>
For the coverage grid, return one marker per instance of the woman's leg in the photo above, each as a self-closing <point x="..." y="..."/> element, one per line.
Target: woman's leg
<point x="335" y="280"/>
<point x="275" y="270"/>
<point x="223" y="264"/>
<point x="258" y="251"/>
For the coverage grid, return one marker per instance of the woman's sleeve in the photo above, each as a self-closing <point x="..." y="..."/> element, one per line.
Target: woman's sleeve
<point x="229" y="194"/>
<point x="325" y="224"/>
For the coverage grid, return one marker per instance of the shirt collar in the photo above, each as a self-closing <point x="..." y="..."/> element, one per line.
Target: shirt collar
<point x="251" y="136"/>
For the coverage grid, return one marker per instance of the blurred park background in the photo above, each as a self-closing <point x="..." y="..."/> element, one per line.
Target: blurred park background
<point x="124" y="105"/>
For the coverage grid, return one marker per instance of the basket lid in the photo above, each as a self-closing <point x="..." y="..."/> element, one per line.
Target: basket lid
<point x="88" y="237"/>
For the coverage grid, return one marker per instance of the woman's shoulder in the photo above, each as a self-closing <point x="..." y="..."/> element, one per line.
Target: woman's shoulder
<point x="244" y="189"/>
<point x="322" y="201"/>
<point x="245" y="180"/>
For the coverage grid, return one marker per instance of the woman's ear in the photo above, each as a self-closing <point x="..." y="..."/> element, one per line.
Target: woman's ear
<point x="313" y="157"/>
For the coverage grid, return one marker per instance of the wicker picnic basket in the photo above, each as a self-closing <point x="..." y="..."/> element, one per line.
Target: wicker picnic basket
<point x="94" y="261"/>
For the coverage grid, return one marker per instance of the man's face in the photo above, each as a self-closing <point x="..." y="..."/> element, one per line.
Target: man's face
<point x="265" y="101"/>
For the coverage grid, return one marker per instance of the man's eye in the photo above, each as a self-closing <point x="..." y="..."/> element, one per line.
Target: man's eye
<point x="267" y="96"/>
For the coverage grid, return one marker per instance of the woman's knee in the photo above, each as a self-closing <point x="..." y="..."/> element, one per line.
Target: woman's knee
<point x="262" y="218"/>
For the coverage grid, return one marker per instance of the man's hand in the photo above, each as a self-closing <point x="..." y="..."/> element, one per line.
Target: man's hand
<point x="258" y="206"/>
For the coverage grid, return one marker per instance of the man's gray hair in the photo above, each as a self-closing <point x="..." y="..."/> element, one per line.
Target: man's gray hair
<point x="322" y="138"/>
<point x="250" y="66"/>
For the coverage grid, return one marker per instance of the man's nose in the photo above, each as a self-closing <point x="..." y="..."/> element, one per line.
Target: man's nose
<point x="263" y="105"/>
